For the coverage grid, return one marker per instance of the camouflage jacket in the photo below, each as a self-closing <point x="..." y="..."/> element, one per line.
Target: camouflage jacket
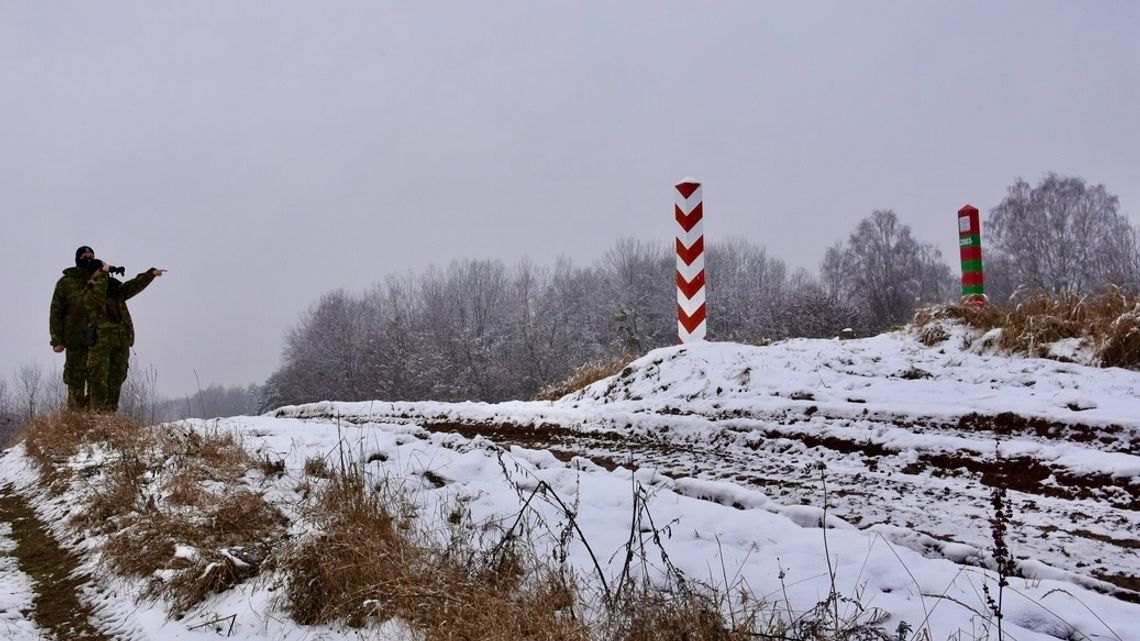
<point x="105" y="302"/>
<point x="68" y="314"/>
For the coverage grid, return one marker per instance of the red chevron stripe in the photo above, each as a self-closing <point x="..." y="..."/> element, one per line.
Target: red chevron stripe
<point x="689" y="289"/>
<point x="694" y="217"/>
<point x="972" y="278"/>
<point x="687" y="189"/>
<point x="691" y="322"/>
<point x="690" y="254"/>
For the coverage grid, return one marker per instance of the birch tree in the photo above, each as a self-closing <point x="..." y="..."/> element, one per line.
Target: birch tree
<point x="1063" y="235"/>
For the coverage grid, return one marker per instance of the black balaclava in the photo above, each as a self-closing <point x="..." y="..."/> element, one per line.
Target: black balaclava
<point x="79" y="252"/>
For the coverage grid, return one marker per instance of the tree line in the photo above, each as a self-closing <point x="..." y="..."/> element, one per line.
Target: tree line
<point x="483" y="330"/>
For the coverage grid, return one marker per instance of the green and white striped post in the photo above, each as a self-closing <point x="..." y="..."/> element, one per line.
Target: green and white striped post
<point x="970" y="242"/>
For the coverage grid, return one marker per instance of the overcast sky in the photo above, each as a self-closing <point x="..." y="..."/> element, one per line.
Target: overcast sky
<point x="268" y="152"/>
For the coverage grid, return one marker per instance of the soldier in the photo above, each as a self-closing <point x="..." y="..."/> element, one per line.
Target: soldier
<point x="67" y="323"/>
<point x="109" y="356"/>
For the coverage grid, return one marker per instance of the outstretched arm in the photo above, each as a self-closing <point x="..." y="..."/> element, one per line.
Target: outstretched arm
<point x="139" y="283"/>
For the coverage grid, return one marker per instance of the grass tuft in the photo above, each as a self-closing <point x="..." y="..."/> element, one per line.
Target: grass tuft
<point x="586" y="374"/>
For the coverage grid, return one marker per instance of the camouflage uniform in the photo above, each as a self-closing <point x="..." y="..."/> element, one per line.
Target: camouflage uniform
<point x="108" y="359"/>
<point x="66" y="324"/>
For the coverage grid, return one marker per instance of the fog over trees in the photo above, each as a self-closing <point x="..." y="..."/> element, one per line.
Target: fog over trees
<point x="484" y="330"/>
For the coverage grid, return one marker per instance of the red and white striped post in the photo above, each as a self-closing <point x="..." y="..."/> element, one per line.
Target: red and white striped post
<point x="691" y="311"/>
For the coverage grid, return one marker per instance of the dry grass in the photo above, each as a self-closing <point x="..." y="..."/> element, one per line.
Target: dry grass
<point x="370" y="563"/>
<point x="51" y="441"/>
<point x="686" y="614"/>
<point x="1109" y="321"/>
<point x="583" y="376"/>
<point x="174" y="503"/>
<point x="318" y="467"/>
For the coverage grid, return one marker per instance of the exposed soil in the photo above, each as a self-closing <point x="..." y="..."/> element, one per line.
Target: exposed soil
<point x="1031" y="476"/>
<point x="1010" y="424"/>
<point x="56" y="606"/>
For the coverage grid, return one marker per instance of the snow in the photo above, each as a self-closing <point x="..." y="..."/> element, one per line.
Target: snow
<point x="15" y="594"/>
<point x="917" y="555"/>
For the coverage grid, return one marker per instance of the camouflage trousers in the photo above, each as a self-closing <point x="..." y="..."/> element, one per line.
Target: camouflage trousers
<point x="75" y="376"/>
<point x="107" y="364"/>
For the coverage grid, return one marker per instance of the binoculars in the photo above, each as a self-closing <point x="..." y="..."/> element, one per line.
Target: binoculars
<point x="96" y="265"/>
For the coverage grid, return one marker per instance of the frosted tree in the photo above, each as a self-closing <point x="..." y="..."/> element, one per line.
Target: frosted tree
<point x="747" y="291"/>
<point x="465" y="314"/>
<point x="833" y="273"/>
<point x="1063" y="235"/>
<point x="30" y="390"/>
<point x="323" y="353"/>
<point x="399" y="360"/>
<point x="641" y="294"/>
<point x="884" y="271"/>
<point x="538" y="330"/>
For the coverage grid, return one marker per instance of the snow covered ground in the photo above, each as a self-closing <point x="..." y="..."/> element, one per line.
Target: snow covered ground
<point x="732" y="446"/>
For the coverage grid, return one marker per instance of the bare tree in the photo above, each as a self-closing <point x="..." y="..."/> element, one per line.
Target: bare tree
<point x="9" y="426"/>
<point x="5" y="398"/>
<point x="886" y="272"/>
<point x="746" y="292"/>
<point x="323" y="353"/>
<point x="833" y="273"/>
<point x="1063" y="235"/>
<point x="477" y="322"/>
<point x="29" y="391"/>
<point x="641" y="294"/>
<point x="399" y="358"/>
